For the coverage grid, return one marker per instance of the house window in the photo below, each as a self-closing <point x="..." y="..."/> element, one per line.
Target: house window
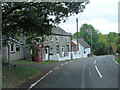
<point x="46" y="51"/>
<point x="62" y="49"/>
<point x="57" y="39"/>
<point x="17" y="47"/>
<point x="38" y="40"/>
<point x="84" y="52"/>
<point x="57" y="49"/>
<point x="51" y="38"/>
<point x="12" y="48"/>
<point x="66" y="39"/>
<point x="67" y="48"/>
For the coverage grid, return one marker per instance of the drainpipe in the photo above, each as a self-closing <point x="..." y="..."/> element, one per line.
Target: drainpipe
<point x="49" y="53"/>
<point x="8" y="52"/>
<point x="71" y="47"/>
<point x="91" y="41"/>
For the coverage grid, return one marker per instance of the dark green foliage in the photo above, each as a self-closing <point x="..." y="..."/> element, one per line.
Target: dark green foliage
<point x="85" y="33"/>
<point x="35" y="19"/>
<point x="118" y="49"/>
<point x="111" y="37"/>
<point x="101" y="44"/>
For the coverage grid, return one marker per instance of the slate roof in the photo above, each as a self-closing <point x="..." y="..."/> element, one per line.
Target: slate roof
<point x="59" y="31"/>
<point x="82" y="42"/>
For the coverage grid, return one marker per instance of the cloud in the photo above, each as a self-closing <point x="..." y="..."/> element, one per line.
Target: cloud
<point x="102" y="14"/>
<point x="70" y="28"/>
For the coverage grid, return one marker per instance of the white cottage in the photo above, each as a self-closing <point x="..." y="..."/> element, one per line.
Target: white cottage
<point x="83" y="48"/>
<point x="18" y="51"/>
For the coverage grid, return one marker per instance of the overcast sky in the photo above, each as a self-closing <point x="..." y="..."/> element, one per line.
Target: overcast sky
<point x="102" y="14"/>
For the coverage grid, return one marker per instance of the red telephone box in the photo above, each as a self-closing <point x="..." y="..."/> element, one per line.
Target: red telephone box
<point x="37" y="53"/>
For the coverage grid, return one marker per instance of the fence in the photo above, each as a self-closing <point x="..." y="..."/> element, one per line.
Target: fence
<point x="71" y="55"/>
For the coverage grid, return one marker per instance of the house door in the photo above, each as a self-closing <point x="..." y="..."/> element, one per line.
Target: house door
<point x="63" y="53"/>
<point x="46" y="53"/>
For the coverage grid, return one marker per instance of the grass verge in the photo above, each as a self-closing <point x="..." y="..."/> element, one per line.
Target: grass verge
<point x="32" y="62"/>
<point x="118" y="60"/>
<point x="17" y="75"/>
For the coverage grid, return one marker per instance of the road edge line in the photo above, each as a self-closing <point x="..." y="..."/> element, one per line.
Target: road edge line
<point x="32" y="85"/>
<point x="115" y="60"/>
<point x="56" y="67"/>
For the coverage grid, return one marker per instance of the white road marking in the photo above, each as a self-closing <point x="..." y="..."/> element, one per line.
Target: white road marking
<point x="56" y="67"/>
<point x="114" y="60"/>
<point x="70" y="61"/>
<point x="66" y="63"/>
<point x="50" y="72"/>
<point x="39" y="80"/>
<point x="98" y="71"/>
<point x="95" y="62"/>
<point x="62" y="64"/>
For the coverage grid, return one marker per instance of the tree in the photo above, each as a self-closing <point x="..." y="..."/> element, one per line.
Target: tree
<point x="118" y="46"/>
<point x="85" y="33"/>
<point x="101" y="44"/>
<point x="112" y="39"/>
<point x="114" y="47"/>
<point x="32" y="19"/>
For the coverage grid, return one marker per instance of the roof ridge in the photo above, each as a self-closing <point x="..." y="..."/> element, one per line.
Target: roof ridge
<point x="58" y="30"/>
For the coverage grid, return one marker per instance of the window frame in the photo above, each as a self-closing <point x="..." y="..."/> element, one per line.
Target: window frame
<point x="57" y="38"/>
<point x="51" y="38"/>
<point x="67" y="47"/>
<point x="67" y="39"/>
<point x="18" y="46"/>
<point x="11" y="47"/>
<point x="57" y="49"/>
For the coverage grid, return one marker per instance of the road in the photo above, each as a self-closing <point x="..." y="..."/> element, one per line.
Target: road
<point x="93" y="72"/>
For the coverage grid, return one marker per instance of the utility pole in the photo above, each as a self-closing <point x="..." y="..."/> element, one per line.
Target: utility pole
<point x="90" y="33"/>
<point x="8" y="52"/>
<point x="77" y="33"/>
<point x="91" y="40"/>
<point x="71" y="42"/>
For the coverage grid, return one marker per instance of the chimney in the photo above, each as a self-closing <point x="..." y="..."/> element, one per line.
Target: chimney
<point x="77" y="33"/>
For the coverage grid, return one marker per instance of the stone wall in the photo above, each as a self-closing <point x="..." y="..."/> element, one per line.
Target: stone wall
<point x="61" y="43"/>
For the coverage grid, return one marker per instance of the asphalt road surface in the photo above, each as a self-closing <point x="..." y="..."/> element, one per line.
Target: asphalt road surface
<point x="93" y="72"/>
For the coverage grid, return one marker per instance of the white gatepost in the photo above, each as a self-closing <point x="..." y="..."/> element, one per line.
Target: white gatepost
<point x="69" y="55"/>
<point x="72" y="55"/>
